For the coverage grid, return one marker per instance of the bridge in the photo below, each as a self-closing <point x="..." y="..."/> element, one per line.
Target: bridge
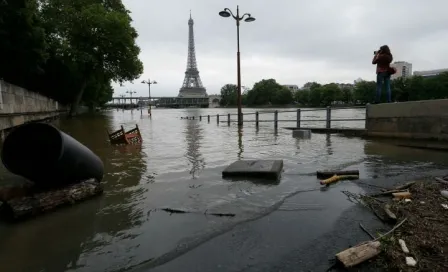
<point x="167" y="102"/>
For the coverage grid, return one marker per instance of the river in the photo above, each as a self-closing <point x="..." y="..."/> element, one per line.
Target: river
<point x="179" y="166"/>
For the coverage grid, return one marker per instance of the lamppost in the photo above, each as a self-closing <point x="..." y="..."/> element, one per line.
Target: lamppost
<point x="149" y="82"/>
<point x="227" y="13"/>
<point x="130" y="92"/>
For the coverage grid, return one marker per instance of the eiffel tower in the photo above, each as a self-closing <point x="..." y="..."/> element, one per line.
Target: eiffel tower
<point x="192" y="86"/>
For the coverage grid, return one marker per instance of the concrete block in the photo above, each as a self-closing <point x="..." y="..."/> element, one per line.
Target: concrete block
<point x="268" y="169"/>
<point x="411" y="109"/>
<point x="301" y="133"/>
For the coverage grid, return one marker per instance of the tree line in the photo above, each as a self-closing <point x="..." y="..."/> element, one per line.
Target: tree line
<point x="70" y="51"/>
<point x="268" y="92"/>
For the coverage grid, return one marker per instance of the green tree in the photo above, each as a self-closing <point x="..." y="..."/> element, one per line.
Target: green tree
<point x="283" y="96"/>
<point x="346" y="95"/>
<point x="268" y="92"/>
<point x="302" y="97"/>
<point x="364" y="92"/>
<point x="22" y="42"/>
<point x="329" y="93"/>
<point x="229" y="93"/>
<point x="94" y="39"/>
<point x="315" y="96"/>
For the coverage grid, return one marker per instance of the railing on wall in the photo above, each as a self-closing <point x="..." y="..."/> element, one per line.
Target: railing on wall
<point x="298" y="119"/>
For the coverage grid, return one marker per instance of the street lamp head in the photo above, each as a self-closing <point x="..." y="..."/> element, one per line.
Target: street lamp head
<point x="224" y="14"/>
<point x="154" y="82"/>
<point x="249" y="19"/>
<point x="144" y="81"/>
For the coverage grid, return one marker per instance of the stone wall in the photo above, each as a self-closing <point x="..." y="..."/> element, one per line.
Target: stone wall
<point x="18" y="106"/>
<point x="426" y="120"/>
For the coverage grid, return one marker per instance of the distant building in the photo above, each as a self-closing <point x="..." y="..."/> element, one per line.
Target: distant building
<point x="404" y="69"/>
<point x="293" y="88"/>
<point x="429" y="73"/>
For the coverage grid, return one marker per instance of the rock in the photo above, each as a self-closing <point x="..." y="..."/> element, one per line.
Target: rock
<point x="269" y="169"/>
<point x="411" y="261"/>
<point x="444" y="193"/>
<point x="301" y="133"/>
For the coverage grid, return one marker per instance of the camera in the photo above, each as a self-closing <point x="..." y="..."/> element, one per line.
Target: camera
<point x="375" y="52"/>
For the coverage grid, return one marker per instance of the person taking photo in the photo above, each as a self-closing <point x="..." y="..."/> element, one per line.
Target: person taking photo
<point x="383" y="59"/>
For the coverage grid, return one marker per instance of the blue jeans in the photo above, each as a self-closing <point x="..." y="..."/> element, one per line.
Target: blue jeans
<point x="380" y="78"/>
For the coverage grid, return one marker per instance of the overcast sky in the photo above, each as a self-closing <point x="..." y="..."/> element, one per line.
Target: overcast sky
<point x="291" y="41"/>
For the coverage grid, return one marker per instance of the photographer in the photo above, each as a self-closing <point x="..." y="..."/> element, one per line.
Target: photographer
<point x="382" y="59"/>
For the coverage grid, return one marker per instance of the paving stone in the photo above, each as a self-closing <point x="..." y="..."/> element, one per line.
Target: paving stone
<point x="268" y="169"/>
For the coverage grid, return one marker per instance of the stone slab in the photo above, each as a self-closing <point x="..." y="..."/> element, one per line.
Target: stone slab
<point x="268" y="169"/>
<point x="301" y="133"/>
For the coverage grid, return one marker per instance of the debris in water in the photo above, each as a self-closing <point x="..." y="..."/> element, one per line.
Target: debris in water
<point x="222" y="214"/>
<point x="173" y="210"/>
<point x="337" y="178"/>
<point x="329" y="174"/>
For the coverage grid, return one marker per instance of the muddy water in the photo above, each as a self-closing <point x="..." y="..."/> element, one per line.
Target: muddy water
<point x="179" y="166"/>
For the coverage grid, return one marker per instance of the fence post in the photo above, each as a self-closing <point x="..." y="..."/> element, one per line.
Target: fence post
<point x="328" y="117"/>
<point x="208" y="118"/>
<point x="228" y="119"/>
<point x="298" y="118"/>
<point x="276" y="119"/>
<point x="200" y="117"/>
<point x="256" y="119"/>
<point x="217" y="119"/>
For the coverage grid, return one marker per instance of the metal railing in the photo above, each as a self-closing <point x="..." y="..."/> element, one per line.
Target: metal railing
<point x="298" y="120"/>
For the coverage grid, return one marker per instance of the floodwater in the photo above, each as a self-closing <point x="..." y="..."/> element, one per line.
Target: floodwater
<point x="179" y="166"/>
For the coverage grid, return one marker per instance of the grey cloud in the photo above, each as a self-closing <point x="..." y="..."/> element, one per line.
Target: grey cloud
<point x="338" y="36"/>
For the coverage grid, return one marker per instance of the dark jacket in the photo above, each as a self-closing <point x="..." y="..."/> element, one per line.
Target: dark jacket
<point x="382" y="62"/>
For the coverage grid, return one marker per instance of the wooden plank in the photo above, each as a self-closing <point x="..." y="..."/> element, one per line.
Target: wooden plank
<point x="329" y="174"/>
<point x="402" y="195"/>
<point x="358" y="254"/>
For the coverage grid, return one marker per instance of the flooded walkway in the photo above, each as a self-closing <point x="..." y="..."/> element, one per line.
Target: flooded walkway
<point x="179" y="167"/>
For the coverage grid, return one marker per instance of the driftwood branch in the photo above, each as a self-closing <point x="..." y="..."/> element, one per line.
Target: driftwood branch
<point x="405" y="186"/>
<point x="48" y="200"/>
<point x="364" y="251"/>
<point x="329" y="174"/>
<point x="392" y="230"/>
<point x="366" y="231"/>
<point x="360" y="253"/>
<point x="443" y="181"/>
<point x="386" y="193"/>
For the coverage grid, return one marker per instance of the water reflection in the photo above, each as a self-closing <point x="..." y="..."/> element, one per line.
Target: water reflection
<point x="328" y="144"/>
<point x="193" y="137"/>
<point x="384" y="155"/>
<point x="61" y="239"/>
<point x="240" y="143"/>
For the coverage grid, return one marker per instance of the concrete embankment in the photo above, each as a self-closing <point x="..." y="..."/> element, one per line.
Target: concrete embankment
<point x="19" y="106"/>
<point x="417" y="120"/>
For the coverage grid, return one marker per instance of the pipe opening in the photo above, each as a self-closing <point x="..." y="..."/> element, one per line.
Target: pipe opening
<point x="32" y="149"/>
